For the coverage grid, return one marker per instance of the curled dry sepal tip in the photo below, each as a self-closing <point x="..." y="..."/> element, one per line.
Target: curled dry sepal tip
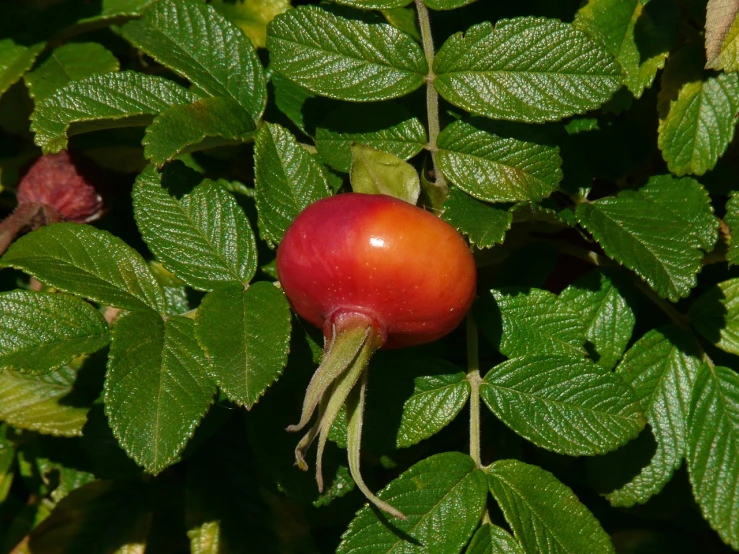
<point x="57" y="187"/>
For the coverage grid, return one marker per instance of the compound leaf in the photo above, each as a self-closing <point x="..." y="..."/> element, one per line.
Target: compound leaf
<point x="103" y="101"/>
<point x="195" y="41"/>
<point x="287" y="180"/>
<point x="661" y="367"/>
<point x="525" y="69"/>
<point x="102" y="516"/>
<point x="491" y="539"/>
<point x="15" y="60"/>
<point x="696" y="113"/>
<point x="531" y="321"/>
<point x="713" y="449"/>
<point x="375" y="4"/>
<point x="715" y="314"/>
<point x="205" y="123"/>
<point x="393" y="130"/>
<point x="349" y="59"/>
<point x="88" y="262"/>
<point x="688" y="201"/>
<point x="646" y="231"/>
<point x="40" y="332"/>
<point x="246" y="335"/>
<point x="732" y="220"/>
<point x="36" y="402"/>
<point x="545" y="515"/>
<point x="204" y="237"/>
<point x="427" y="494"/>
<point x="71" y="62"/>
<point x="156" y="386"/>
<point x="484" y="224"/>
<point x="607" y="316"/>
<point x="562" y="403"/>
<point x="498" y="163"/>
<point x="638" y="34"/>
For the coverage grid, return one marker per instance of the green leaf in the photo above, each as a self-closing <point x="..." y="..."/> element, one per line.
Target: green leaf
<point x="252" y="16"/>
<point x="40" y="332"/>
<point x="156" y="387"/>
<point x="429" y="395"/>
<point x="376" y="172"/>
<point x="71" y="62"/>
<point x="531" y="321"/>
<point x="292" y="99"/>
<point x="498" y="163"/>
<point x="246" y="335"/>
<point x="696" y="113"/>
<point x="7" y="457"/>
<point x="393" y="129"/>
<point x="125" y="7"/>
<point x="225" y="510"/>
<point x="15" y="60"/>
<point x="198" y="43"/>
<point x="491" y="539"/>
<point x="349" y="59"/>
<point x="485" y="225"/>
<point x="88" y="262"/>
<point x="608" y="318"/>
<point x="646" y="231"/>
<point x="427" y="493"/>
<point x="217" y="121"/>
<point x="503" y="72"/>
<point x="38" y="402"/>
<point x="638" y="34"/>
<point x="204" y="237"/>
<point x="545" y="515"/>
<point x="732" y="220"/>
<point x="287" y="180"/>
<point x="688" y="201"/>
<point x="102" y="516"/>
<point x="403" y="19"/>
<point x="447" y="4"/>
<point x="103" y="101"/>
<point x="374" y="4"/>
<point x="713" y="449"/>
<point x="661" y="367"/>
<point x="562" y="403"/>
<point x="722" y="35"/>
<point x="715" y="314"/>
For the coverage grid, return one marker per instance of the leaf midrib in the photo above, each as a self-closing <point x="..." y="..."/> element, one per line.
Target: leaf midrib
<point x="563" y="404"/>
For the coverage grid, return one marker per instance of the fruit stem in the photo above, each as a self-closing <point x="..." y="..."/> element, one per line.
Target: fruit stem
<point x="432" y="97"/>
<point x="355" y="420"/>
<point x="16" y="222"/>
<point x="473" y="376"/>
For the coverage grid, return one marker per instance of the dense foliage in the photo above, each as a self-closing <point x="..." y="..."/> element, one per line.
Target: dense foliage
<point x="150" y="362"/>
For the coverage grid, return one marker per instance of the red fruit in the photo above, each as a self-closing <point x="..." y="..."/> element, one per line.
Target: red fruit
<point x="404" y="268"/>
<point x="56" y="180"/>
<point x="372" y="271"/>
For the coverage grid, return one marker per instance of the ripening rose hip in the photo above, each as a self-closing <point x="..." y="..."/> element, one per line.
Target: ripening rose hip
<point x="57" y="187"/>
<point x="404" y="268"/>
<point x="57" y="181"/>
<point x="372" y="272"/>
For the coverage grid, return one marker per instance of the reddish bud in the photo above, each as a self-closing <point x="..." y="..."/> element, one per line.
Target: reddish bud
<point x="58" y="181"/>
